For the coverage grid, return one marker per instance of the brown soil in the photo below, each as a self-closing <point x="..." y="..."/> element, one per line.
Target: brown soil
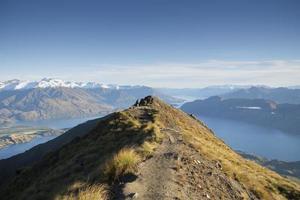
<point x="177" y="171"/>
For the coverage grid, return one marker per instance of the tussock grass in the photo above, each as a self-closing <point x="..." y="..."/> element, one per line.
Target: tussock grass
<point x="91" y="192"/>
<point x="148" y="149"/>
<point x="124" y="162"/>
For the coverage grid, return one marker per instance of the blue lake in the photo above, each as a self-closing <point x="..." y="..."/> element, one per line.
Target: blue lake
<point x="54" y="124"/>
<point x="20" y="148"/>
<point x="266" y="142"/>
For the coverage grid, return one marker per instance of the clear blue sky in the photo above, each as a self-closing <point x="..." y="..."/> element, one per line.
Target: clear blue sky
<point x="154" y="42"/>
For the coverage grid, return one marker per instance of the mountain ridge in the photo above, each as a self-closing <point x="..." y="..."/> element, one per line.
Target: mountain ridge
<point x="186" y="153"/>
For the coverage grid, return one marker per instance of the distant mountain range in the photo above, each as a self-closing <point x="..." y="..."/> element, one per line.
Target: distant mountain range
<point x="279" y="95"/>
<point x="16" y="84"/>
<point x="57" y="99"/>
<point x="201" y="93"/>
<point x="267" y="113"/>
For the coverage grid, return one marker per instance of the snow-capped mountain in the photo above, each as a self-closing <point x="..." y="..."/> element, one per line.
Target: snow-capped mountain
<point x="58" y="99"/>
<point x="16" y="84"/>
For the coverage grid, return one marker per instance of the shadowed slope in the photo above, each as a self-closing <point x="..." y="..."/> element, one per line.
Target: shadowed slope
<point x="9" y="166"/>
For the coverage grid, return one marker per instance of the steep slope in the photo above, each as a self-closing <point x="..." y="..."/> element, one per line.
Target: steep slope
<point x="9" y="166"/>
<point x="149" y="151"/>
<point x="279" y="95"/>
<point x="261" y="112"/>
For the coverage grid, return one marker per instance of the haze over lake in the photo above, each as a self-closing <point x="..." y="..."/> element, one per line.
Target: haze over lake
<point x="261" y="141"/>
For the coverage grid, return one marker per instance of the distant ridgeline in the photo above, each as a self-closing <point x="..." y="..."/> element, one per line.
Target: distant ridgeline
<point x="279" y="95"/>
<point x="285" y="117"/>
<point x="56" y="99"/>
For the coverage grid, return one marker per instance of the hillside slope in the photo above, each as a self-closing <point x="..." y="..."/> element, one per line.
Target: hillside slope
<point x="149" y="151"/>
<point x="289" y="169"/>
<point x="9" y="166"/>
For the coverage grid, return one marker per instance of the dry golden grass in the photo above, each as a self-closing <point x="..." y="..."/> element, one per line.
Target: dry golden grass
<point x="124" y="162"/>
<point x="148" y="148"/>
<point x="92" y="192"/>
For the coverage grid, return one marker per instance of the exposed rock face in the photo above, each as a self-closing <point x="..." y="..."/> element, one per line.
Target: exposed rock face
<point x="178" y="158"/>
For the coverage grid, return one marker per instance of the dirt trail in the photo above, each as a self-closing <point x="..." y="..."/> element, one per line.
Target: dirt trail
<point x="178" y="171"/>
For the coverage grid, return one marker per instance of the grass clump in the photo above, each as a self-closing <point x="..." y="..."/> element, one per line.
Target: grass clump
<point x="124" y="162"/>
<point x="92" y="192"/>
<point x="148" y="149"/>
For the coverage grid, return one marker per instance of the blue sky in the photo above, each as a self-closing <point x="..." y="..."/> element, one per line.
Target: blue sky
<point x="161" y="43"/>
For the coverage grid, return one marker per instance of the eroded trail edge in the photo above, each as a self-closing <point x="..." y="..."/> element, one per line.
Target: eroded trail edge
<point x="177" y="171"/>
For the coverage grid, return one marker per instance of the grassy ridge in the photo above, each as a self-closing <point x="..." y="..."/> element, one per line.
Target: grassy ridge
<point x="264" y="183"/>
<point x="122" y="140"/>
